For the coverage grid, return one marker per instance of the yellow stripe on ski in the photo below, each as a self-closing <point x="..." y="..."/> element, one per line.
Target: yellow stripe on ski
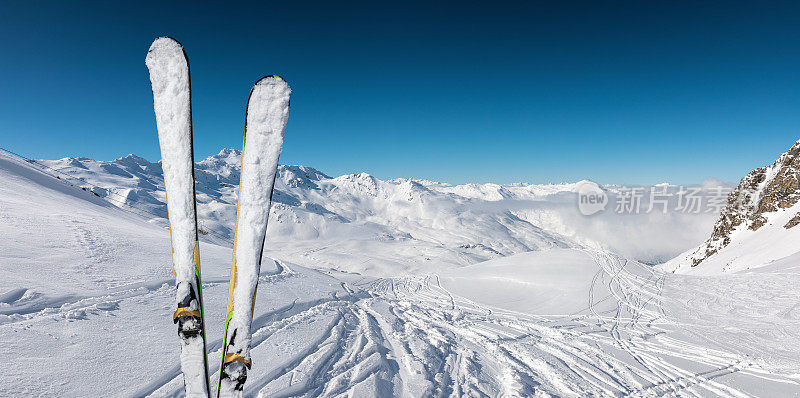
<point x="236" y="233"/>
<point x="197" y="256"/>
<point x="233" y="282"/>
<point x="253" y="302"/>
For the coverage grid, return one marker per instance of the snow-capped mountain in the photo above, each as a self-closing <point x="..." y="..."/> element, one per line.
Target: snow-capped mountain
<point x="404" y="223"/>
<point x="757" y="226"/>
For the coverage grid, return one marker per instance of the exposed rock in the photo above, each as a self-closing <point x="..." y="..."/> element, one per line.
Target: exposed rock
<point x="794" y="221"/>
<point x="764" y="190"/>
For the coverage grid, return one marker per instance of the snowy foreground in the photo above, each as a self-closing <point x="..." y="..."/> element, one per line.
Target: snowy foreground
<point x="87" y="294"/>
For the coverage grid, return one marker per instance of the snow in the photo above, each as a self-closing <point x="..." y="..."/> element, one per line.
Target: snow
<point x="88" y="286"/>
<point x="748" y="249"/>
<point x="552" y="282"/>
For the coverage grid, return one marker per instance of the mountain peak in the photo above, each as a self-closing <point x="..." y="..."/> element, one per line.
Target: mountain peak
<point x="227" y="156"/>
<point x="306" y="172"/>
<point x="225" y="152"/>
<point x="133" y="158"/>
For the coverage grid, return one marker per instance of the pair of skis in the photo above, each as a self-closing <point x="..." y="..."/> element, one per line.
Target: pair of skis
<point x="266" y="115"/>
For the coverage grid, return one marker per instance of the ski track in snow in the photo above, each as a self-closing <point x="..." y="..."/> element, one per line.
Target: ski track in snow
<point x="408" y="336"/>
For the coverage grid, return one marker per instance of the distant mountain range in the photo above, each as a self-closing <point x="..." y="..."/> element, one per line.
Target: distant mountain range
<point x="405" y="223"/>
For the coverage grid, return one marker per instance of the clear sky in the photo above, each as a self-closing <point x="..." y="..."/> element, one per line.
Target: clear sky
<point x="619" y="92"/>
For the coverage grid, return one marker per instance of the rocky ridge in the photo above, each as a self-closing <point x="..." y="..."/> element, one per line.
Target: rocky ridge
<point x="762" y="192"/>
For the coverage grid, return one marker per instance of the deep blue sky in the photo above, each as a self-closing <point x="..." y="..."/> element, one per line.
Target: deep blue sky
<point x="619" y="92"/>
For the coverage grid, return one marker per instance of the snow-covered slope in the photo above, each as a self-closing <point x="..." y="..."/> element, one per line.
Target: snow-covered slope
<point x="758" y="225"/>
<point x="553" y="282"/>
<point x="419" y="222"/>
<point x="87" y="294"/>
<point x="588" y="323"/>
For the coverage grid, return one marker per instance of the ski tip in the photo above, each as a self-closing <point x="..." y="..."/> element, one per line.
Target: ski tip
<point x="271" y="83"/>
<point x="167" y="39"/>
<point x="165" y="43"/>
<point x="271" y="79"/>
<point x="165" y="47"/>
<point x="270" y="86"/>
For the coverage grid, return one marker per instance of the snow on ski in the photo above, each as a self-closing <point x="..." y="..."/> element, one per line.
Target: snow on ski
<point x="265" y="120"/>
<point x="171" y="83"/>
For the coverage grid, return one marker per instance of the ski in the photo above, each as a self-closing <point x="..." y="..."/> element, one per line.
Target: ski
<point x="265" y="120"/>
<point x="172" y="100"/>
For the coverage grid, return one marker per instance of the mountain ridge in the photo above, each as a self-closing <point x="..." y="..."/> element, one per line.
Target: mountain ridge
<point x="457" y="224"/>
<point x="765" y="208"/>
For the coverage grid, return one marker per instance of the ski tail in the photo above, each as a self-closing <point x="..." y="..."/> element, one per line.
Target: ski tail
<point x="265" y="121"/>
<point x="171" y="84"/>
